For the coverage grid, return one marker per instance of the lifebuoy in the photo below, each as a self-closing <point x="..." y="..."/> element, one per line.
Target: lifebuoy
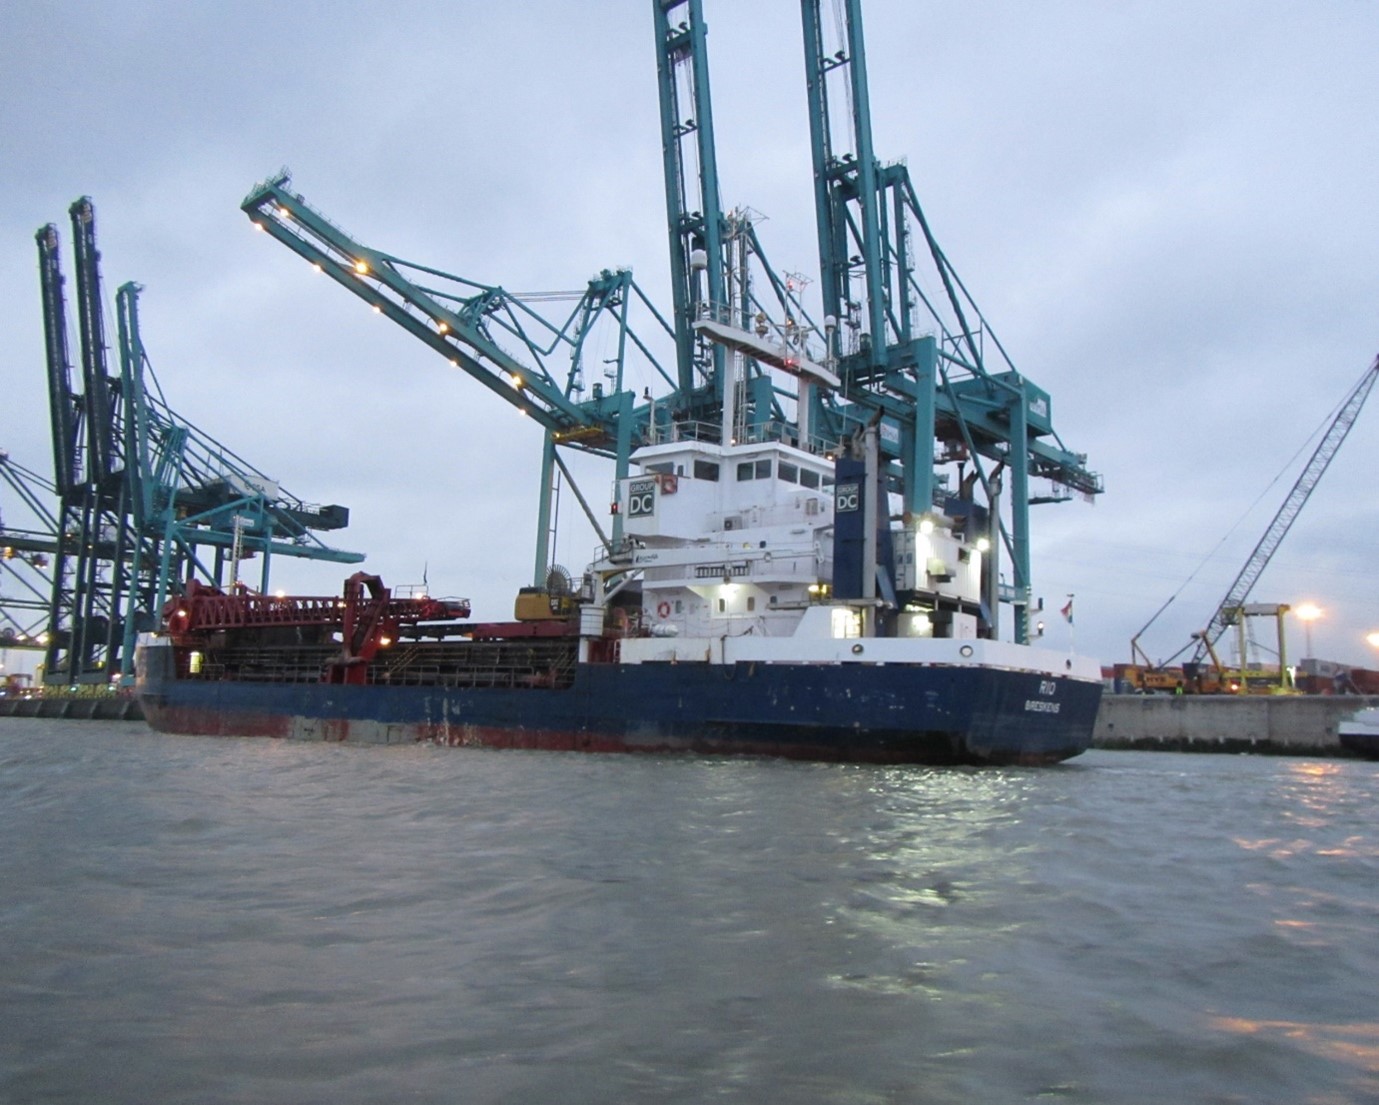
<point x="663" y="610"/>
<point x="669" y="484"/>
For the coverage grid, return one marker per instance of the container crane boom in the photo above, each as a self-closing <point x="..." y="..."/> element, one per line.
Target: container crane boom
<point x="1307" y="481"/>
<point x="468" y="322"/>
<point x="459" y="322"/>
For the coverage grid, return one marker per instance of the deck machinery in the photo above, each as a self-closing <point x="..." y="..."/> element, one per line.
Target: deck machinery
<point x="962" y="434"/>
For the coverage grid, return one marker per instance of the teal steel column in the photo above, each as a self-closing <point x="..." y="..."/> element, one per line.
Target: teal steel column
<point x="831" y="288"/>
<point x="1018" y="455"/>
<point x="623" y="462"/>
<point x="675" y="45"/>
<point x="543" y="512"/>
<point x="919" y="461"/>
<point x="991" y="568"/>
<point x="136" y="474"/>
<point x="868" y="200"/>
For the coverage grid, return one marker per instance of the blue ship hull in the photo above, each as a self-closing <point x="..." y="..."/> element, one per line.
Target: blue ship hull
<point x="885" y="713"/>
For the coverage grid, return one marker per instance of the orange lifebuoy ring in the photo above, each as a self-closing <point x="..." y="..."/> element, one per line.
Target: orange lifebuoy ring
<point x="663" y="610"/>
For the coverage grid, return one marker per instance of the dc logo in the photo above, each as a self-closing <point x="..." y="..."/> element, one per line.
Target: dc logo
<point x="641" y="498"/>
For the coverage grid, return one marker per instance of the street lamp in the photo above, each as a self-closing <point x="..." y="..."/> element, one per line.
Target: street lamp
<point x="1309" y="612"/>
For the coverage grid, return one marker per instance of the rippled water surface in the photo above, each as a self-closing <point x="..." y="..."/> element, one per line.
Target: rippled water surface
<point x="224" y="920"/>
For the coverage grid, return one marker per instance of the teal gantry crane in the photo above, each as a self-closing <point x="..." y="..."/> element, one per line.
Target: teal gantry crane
<point x="919" y="358"/>
<point x="140" y="490"/>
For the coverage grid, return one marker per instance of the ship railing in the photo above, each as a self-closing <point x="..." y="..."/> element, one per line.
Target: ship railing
<point x="267" y="664"/>
<point x="495" y="664"/>
<point x="483" y="664"/>
<point x="774" y="430"/>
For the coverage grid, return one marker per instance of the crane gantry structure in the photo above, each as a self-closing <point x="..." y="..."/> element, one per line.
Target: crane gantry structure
<point x="141" y="492"/>
<point x="956" y="421"/>
<point x="26" y="557"/>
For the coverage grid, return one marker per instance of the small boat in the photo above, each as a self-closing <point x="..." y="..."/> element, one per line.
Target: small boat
<point x="1360" y="733"/>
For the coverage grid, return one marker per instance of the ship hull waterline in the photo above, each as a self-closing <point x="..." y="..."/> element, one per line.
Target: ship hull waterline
<point x="881" y="713"/>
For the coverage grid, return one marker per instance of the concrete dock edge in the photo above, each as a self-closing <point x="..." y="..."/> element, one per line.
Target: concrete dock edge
<point x="1290" y="725"/>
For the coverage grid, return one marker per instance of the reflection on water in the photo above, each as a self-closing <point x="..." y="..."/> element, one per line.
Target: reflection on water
<point x="248" y="921"/>
<point x="1350" y="1045"/>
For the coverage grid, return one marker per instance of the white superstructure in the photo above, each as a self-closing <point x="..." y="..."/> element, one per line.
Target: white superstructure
<point x="732" y="548"/>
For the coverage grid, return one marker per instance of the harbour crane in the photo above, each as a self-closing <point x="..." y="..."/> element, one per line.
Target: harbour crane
<point x="927" y="386"/>
<point x="933" y="378"/>
<point x="1232" y="609"/>
<point x="85" y="629"/>
<point x="140" y="490"/>
<point x="473" y="325"/>
<point x="1228" y="611"/>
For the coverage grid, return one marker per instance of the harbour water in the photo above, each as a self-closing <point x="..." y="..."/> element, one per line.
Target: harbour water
<point x="251" y="921"/>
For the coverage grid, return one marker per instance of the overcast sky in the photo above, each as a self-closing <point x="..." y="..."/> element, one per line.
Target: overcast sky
<point x="1167" y="210"/>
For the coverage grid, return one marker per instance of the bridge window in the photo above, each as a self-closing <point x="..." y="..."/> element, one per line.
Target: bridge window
<point x="809" y="479"/>
<point x="705" y="470"/>
<point x="788" y="473"/>
<point x="754" y="470"/>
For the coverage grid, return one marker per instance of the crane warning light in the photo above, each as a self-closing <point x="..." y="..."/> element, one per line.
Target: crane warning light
<point x="361" y="267"/>
<point x="443" y="328"/>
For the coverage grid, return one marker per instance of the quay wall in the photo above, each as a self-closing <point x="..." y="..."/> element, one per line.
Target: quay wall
<point x="1290" y="725"/>
<point x="76" y="707"/>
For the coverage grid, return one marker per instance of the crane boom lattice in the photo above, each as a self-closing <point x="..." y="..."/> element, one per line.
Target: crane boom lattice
<point x="1287" y="514"/>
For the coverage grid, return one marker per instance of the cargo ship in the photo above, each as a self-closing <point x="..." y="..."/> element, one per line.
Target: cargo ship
<point x="739" y="614"/>
<point x="808" y="514"/>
